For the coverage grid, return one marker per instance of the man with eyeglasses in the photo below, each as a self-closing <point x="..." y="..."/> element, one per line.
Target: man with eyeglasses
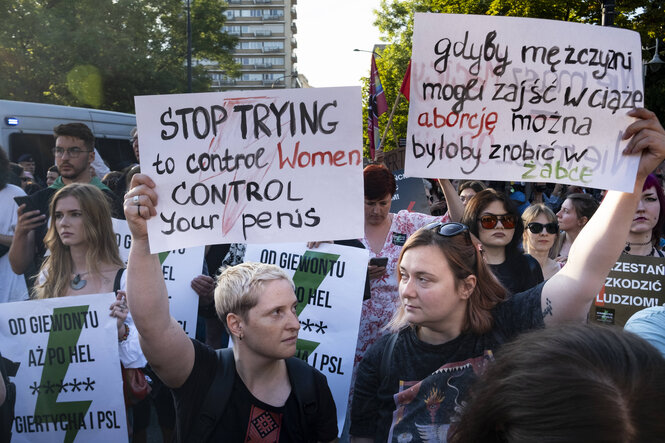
<point x="73" y="152"/>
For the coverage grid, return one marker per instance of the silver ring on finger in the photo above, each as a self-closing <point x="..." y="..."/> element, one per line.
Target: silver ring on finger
<point x="135" y="200"/>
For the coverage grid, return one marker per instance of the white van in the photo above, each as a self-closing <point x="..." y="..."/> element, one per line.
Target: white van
<point x="27" y="128"/>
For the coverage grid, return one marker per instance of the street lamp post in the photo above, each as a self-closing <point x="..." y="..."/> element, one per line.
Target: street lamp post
<point x="608" y="13"/>
<point x="655" y="63"/>
<point x="189" y="49"/>
<point x="369" y="52"/>
<point x="295" y="74"/>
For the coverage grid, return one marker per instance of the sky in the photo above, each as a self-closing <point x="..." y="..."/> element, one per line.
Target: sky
<point x="328" y="32"/>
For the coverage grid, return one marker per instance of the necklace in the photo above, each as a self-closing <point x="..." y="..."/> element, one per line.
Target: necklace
<point x="77" y="282"/>
<point x="628" y="244"/>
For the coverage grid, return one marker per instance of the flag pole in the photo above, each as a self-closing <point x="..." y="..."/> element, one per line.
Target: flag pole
<point x="390" y="120"/>
<point x="405" y="82"/>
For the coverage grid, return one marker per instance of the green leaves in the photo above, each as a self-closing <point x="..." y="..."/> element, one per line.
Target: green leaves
<point x="101" y="53"/>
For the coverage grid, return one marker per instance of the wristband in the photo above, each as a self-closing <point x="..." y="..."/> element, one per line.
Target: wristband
<point x="126" y="334"/>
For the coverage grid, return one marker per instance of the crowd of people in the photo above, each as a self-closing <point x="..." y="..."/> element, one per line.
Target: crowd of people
<point x="472" y="325"/>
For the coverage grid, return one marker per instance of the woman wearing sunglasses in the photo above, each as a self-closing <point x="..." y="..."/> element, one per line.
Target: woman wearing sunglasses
<point x="495" y="220"/>
<point x="454" y="315"/>
<point x="540" y="236"/>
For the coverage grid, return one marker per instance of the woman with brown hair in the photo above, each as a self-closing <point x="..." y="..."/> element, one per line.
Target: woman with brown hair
<point x="494" y="219"/>
<point x="577" y="383"/>
<point x="385" y="234"/>
<point x="576" y="211"/>
<point x="454" y="315"/>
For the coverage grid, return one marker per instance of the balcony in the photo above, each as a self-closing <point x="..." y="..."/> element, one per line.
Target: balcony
<point x="294" y="28"/>
<point x="294" y="42"/>
<point x="294" y="58"/>
<point x="263" y="33"/>
<point x="262" y="2"/>
<point x="273" y="50"/>
<point x="294" y="14"/>
<point x="273" y="17"/>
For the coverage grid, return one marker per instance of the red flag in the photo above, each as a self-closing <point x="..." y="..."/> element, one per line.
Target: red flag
<point x="405" y="89"/>
<point x="377" y="106"/>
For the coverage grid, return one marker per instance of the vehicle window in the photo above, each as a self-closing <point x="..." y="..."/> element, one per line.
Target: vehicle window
<point x="37" y="145"/>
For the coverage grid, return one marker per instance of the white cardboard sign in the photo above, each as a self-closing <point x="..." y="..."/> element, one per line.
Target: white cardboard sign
<point x="179" y="267"/>
<point x="245" y="166"/>
<point x="68" y="383"/>
<point x="507" y="98"/>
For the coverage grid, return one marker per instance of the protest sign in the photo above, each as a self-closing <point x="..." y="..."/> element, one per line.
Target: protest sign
<point x="179" y="268"/>
<point x="68" y="382"/>
<point x="410" y="194"/>
<point x="244" y="166"/>
<point x="507" y="98"/>
<point x="634" y="283"/>
<point x="330" y="283"/>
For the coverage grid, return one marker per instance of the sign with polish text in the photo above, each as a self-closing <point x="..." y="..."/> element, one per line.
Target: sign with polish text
<point x="634" y="283"/>
<point x="68" y="379"/>
<point x="508" y="98"/>
<point x="253" y="166"/>
<point x="179" y="267"/>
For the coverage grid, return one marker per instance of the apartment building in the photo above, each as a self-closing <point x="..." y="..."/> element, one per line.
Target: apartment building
<point x="266" y="45"/>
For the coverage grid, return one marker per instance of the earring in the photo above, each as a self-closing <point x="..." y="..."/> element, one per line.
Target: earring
<point x="240" y="336"/>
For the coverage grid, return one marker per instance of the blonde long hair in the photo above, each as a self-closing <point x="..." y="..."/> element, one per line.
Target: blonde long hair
<point x="98" y="234"/>
<point x="529" y="215"/>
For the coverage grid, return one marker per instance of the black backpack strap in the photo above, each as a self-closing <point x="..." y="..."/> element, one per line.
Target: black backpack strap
<point x="116" y="282"/>
<point x="386" y="359"/>
<point x="301" y="376"/>
<point x="215" y="401"/>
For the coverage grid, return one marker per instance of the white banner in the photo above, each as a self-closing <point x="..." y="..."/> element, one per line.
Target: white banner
<point x="330" y="282"/>
<point x="179" y="268"/>
<point x="246" y="166"/>
<point x="506" y="98"/>
<point x="68" y="382"/>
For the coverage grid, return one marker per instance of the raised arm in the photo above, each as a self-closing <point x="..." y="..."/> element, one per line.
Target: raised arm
<point x="22" y="248"/>
<point x="164" y="343"/>
<point x="455" y="205"/>
<point x="568" y="295"/>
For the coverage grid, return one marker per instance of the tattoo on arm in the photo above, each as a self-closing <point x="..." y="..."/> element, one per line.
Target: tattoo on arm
<point x="548" y="307"/>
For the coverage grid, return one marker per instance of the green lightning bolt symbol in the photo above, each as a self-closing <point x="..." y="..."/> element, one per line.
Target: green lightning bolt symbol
<point x="47" y="401"/>
<point x="310" y="282"/>
<point x="162" y="257"/>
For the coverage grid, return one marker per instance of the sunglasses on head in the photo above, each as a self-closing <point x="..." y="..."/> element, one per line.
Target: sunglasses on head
<point x="447" y="229"/>
<point x="489" y="221"/>
<point x="537" y="228"/>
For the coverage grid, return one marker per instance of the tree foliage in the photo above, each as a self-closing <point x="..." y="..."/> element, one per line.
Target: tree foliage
<point x="394" y="19"/>
<point x="101" y="53"/>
